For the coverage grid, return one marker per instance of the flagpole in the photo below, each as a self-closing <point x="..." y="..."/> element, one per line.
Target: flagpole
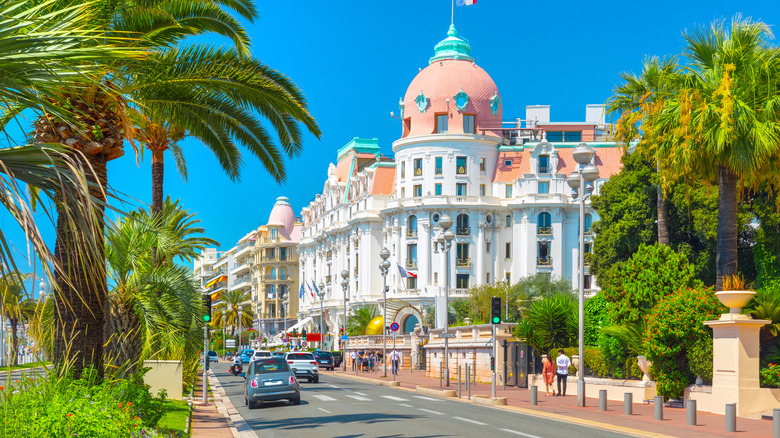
<point x="452" y="18"/>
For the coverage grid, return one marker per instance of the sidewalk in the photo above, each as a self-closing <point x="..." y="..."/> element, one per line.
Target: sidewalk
<point x="641" y="423"/>
<point x="211" y="420"/>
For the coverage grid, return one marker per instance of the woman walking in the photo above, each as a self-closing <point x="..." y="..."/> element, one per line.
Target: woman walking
<point x="548" y="374"/>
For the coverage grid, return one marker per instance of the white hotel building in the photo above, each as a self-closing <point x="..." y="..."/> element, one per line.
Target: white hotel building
<point x="503" y="184"/>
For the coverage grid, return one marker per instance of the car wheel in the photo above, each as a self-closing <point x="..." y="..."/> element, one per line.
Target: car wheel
<point x="252" y="405"/>
<point x="309" y="380"/>
<point x="296" y="401"/>
<point x="317" y="379"/>
<point x="246" y="401"/>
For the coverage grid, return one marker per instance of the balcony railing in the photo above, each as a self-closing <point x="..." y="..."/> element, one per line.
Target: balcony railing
<point x="463" y="231"/>
<point x="329" y="255"/>
<point x="411" y="263"/>
<point x="544" y="231"/>
<point x="438" y="171"/>
<point x="327" y="279"/>
<point x="411" y="232"/>
<point x="355" y="270"/>
<point x="463" y="263"/>
<point x="544" y="169"/>
<point x="417" y="172"/>
<point x="544" y="261"/>
<point x="460" y="170"/>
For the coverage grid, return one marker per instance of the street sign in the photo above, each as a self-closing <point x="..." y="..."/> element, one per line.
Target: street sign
<point x="446" y="335"/>
<point x="394" y="326"/>
<point x="344" y="337"/>
<point x="231" y="343"/>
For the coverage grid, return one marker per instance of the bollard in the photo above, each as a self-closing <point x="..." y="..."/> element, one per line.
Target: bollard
<point x="441" y="372"/>
<point x="628" y="404"/>
<point x="602" y="399"/>
<point x="468" y="389"/>
<point x="731" y="417"/>
<point x="690" y="407"/>
<point x="459" y="393"/>
<point x="776" y="423"/>
<point x="474" y="371"/>
<point x="534" y="395"/>
<point x="659" y="407"/>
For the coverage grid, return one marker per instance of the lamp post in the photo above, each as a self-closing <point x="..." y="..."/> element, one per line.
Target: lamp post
<point x="240" y="312"/>
<point x="321" y="294"/>
<point x="384" y="268"/>
<point x="506" y="299"/>
<point x="285" y="303"/>
<point x="445" y="242"/>
<point x="344" y="286"/>
<point x="578" y="181"/>
<point x="224" y="331"/>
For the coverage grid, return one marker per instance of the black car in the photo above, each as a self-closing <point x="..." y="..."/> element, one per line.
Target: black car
<point x="324" y="359"/>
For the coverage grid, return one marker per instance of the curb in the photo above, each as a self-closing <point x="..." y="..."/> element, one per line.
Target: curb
<point x="239" y="428"/>
<point x="487" y="401"/>
<point x="444" y="393"/>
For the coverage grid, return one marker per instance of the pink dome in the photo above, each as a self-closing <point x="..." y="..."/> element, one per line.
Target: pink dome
<point x="452" y="75"/>
<point x="282" y="216"/>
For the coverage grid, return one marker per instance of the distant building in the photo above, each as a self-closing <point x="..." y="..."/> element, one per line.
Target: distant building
<point x="502" y="182"/>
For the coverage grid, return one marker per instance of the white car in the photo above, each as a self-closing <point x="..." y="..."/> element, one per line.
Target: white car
<point x="260" y="354"/>
<point x="304" y="365"/>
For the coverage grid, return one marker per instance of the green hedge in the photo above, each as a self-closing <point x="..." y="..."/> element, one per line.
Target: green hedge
<point x="597" y="366"/>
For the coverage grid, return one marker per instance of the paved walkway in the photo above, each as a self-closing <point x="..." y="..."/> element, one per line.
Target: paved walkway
<point x="207" y="421"/>
<point x="642" y="421"/>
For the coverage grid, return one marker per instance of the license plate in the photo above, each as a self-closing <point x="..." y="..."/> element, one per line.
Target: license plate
<point x="273" y="383"/>
<point x="323" y="361"/>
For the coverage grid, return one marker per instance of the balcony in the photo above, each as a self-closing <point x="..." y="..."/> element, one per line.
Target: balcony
<point x="460" y="170"/>
<point x="241" y="267"/>
<point x="463" y="231"/>
<point x="418" y="172"/>
<point x="544" y="261"/>
<point x="544" y="169"/>
<point x="411" y="263"/>
<point x="544" y="231"/>
<point x="438" y="171"/>
<point x="327" y="279"/>
<point x="355" y="270"/>
<point x="411" y="232"/>
<point x="244" y="248"/>
<point x="328" y="255"/>
<point x="463" y="263"/>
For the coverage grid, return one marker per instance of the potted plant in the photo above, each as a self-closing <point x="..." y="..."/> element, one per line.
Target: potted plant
<point x="735" y="296"/>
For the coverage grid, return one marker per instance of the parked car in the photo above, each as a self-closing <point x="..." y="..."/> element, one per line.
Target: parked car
<point x="304" y="365"/>
<point x="278" y="354"/>
<point x="261" y="354"/>
<point x="213" y="356"/>
<point x="246" y="355"/>
<point x="337" y="358"/>
<point x="270" y="379"/>
<point x="324" y="359"/>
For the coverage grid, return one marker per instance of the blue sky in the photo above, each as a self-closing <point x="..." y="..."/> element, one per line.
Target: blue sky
<point x="354" y="59"/>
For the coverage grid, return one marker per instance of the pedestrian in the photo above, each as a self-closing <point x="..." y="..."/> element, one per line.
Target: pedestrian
<point x="354" y="359"/>
<point x="548" y="374"/>
<point x="563" y="363"/>
<point x="395" y="359"/>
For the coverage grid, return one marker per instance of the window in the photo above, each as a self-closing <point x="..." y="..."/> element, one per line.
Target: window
<point x="460" y="165"/>
<point x="564" y="135"/>
<point x="282" y="290"/>
<point x="436" y="278"/>
<point x="462" y="259"/>
<point x="411" y="283"/>
<point x="544" y="224"/>
<point x="403" y="192"/>
<point x="543" y="187"/>
<point x="508" y="277"/>
<point x="462" y="227"/>
<point x="438" y="166"/>
<point x="468" y="124"/>
<point x="460" y="189"/>
<point x="508" y="163"/>
<point x="282" y="273"/>
<point x="437" y="189"/>
<point x="408" y="125"/>
<point x="588" y="224"/>
<point x="481" y="190"/>
<point x="462" y="281"/>
<point x="411" y="226"/>
<point x="544" y="164"/>
<point x="508" y="221"/>
<point x="441" y="123"/>
<point x="417" y="190"/>
<point x="487" y="247"/>
<point x="270" y="292"/>
<point x="508" y="251"/>
<point x="274" y="234"/>
<point x="269" y="254"/>
<point x="417" y="166"/>
<point x="586" y="283"/>
<point x="403" y="169"/>
<point x="487" y="277"/>
<point x="544" y="254"/>
<point x="411" y="255"/>
<point x="482" y="165"/>
<point x="283" y="254"/>
<point x="508" y="191"/>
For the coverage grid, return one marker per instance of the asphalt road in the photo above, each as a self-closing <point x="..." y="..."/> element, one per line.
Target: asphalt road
<point x="338" y="407"/>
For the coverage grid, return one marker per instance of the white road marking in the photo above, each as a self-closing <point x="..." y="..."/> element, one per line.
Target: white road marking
<point x="359" y="398"/>
<point x="422" y="397"/>
<point x="405" y="405"/>
<point x="323" y="410"/>
<point x="519" y="433"/>
<point x="431" y="412"/>
<point x="394" y="398"/>
<point x="358" y="393"/>
<point x="470" y="421"/>
<point x="323" y="397"/>
<point x="333" y="386"/>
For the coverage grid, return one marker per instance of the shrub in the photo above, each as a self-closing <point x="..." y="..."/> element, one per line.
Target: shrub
<point x="550" y="323"/>
<point x="770" y="376"/>
<point x="615" y="355"/>
<point x="675" y="335"/>
<point x="596" y="317"/>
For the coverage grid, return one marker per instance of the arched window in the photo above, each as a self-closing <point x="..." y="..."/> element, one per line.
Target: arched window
<point x="588" y="223"/>
<point x="411" y="226"/>
<point x="282" y="273"/>
<point x="270" y="273"/>
<point x="544" y="224"/>
<point x="508" y="221"/>
<point x="463" y="225"/>
<point x="409" y="324"/>
<point x="270" y="291"/>
<point x="282" y="290"/>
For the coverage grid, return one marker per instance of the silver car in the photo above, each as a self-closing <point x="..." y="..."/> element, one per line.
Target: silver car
<point x="304" y="365"/>
<point x="269" y="380"/>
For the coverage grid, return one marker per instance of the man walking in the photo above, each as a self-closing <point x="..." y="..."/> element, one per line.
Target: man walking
<point x="354" y="360"/>
<point x="562" y="372"/>
<point x="395" y="359"/>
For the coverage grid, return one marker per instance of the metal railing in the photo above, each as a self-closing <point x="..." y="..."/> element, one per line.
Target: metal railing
<point x="463" y="263"/>
<point x="544" y="231"/>
<point x="463" y="231"/>
<point x="355" y="270"/>
<point x="460" y="170"/>
<point x="544" y="169"/>
<point x="417" y="172"/>
<point x="327" y="279"/>
<point x="544" y="261"/>
<point x="411" y="232"/>
<point x="411" y="263"/>
<point x="438" y="171"/>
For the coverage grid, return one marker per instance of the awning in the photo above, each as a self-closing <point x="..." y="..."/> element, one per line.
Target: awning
<point x="299" y="324"/>
<point x="216" y="280"/>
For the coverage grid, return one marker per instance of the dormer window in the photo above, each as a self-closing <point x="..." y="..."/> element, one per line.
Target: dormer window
<point x="508" y="163"/>
<point x="469" y="125"/>
<point x="441" y="123"/>
<point x="544" y="164"/>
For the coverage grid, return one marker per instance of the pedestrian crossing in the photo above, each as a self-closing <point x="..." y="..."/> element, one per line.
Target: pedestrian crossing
<point x="355" y="396"/>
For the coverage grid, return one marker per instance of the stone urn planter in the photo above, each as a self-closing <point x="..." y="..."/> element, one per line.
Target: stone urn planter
<point x="735" y="300"/>
<point x="575" y="361"/>
<point x="644" y="366"/>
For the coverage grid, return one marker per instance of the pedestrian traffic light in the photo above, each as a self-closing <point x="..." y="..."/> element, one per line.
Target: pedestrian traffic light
<point x="495" y="310"/>
<point x="207" y="305"/>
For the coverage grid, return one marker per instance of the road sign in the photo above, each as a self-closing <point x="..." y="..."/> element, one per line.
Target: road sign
<point x="394" y="326"/>
<point x="344" y="337"/>
<point x="446" y="335"/>
<point x="231" y="343"/>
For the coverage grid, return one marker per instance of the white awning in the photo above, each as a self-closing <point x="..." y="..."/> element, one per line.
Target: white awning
<point x="299" y="325"/>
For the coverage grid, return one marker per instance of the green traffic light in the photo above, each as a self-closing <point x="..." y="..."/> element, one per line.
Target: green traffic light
<point x="496" y="320"/>
<point x="207" y="318"/>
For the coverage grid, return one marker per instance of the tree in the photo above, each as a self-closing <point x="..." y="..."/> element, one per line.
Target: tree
<point x="358" y="322"/>
<point x="229" y="302"/>
<point x="550" y="323"/>
<point x="16" y="305"/>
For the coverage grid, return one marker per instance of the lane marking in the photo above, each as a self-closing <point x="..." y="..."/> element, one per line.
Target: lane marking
<point x="470" y="421"/>
<point x="358" y="397"/>
<point x="358" y="393"/>
<point x="394" y="398"/>
<point x="323" y="410"/>
<point x="323" y="397"/>
<point x="422" y="397"/>
<point x="520" y="433"/>
<point x="333" y="386"/>
<point x="405" y="405"/>
<point x="432" y="412"/>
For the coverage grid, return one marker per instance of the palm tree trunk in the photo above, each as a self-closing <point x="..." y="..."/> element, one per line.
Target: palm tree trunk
<point x="726" y="246"/>
<point x="158" y="171"/>
<point x="663" y="218"/>
<point x="14" y="340"/>
<point x="81" y="291"/>
<point x="127" y="342"/>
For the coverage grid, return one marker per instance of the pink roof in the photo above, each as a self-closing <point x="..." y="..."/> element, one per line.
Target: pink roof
<point x="342" y="169"/>
<point x="607" y="160"/>
<point x="520" y="165"/>
<point x="295" y="235"/>
<point x="384" y="181"/>
<point x="282" y="215"/>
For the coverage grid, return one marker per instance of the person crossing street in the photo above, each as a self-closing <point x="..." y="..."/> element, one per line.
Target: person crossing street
<point x="395" y="359"/>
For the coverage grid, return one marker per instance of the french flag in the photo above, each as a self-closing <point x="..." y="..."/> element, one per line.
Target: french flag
<point x="404" y="272"/>
<point x="466" y="2"/>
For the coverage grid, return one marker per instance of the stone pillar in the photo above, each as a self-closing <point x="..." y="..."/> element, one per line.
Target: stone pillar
<point x="479" y="269"/>
<point x="423" y="255"/>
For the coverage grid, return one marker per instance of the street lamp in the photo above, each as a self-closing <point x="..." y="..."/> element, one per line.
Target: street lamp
<point x="285" y="303"/>
<point x="321" y="294"/>
<point x="224" y="331"/>
<point x="344" y="286"/>
<point x="240" y="311"/>
<point x="445" y="243"/>
<point x="384" y="268"/>
<point x="578" y="180"/>
<point x="506" y="299"/>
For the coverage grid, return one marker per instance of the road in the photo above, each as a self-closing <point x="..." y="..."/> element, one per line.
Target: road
<point x="339" y="407"/>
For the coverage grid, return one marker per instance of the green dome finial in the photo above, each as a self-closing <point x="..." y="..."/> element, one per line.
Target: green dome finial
<point x="452" y="47"/>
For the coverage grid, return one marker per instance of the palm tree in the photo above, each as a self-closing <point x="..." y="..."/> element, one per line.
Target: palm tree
<point x="357" y="323"/>
<point x="229" y="302"/>
<point x="634" y="99"/>
<point x="16" y="305"/>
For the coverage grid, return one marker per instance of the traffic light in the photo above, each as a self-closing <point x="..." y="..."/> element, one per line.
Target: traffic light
<point x="303" y="333"/>
<point x="492" y="363"/>
<point x="495" y="310"/>
<point x="207" y="305"/>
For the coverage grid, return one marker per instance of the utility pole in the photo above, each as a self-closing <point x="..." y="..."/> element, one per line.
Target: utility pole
<point x="205" y="361"/>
